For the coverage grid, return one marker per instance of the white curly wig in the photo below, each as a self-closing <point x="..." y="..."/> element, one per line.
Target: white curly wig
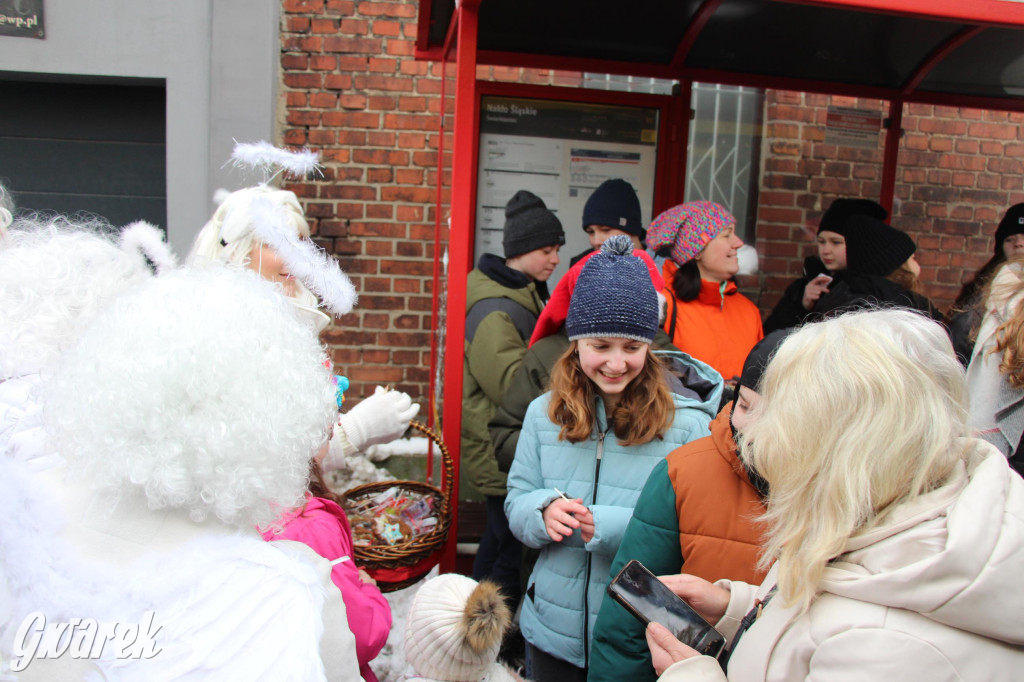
<point x="203" y="389"/>
<point x="228" y="236"/>
<point x="6" y="210"/>
<point x="55" y="275"/>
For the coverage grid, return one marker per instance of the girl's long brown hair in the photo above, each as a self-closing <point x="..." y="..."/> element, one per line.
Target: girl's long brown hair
<point x="1009" y="335"/>
<point x="643" y="413"/>
<point x="906" y="278"/>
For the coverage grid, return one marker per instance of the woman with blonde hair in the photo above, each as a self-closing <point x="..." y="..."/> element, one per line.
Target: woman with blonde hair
<point x="893" y="537"/>
<point x="995" y="375"/>
<point x="585" y="451"/>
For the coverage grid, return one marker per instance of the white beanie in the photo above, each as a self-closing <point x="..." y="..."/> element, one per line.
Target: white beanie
<point x="455" y="628"/>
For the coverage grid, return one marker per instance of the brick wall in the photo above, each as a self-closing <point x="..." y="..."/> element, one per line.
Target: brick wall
<point x="351" y="89"/>
<point x="959" y="169"/>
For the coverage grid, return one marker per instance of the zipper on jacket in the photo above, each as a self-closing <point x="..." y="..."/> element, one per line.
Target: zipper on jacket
<point x="586" y="575"/>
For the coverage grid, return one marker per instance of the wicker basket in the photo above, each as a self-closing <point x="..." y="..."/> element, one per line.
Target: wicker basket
<point x="412" y="558"/>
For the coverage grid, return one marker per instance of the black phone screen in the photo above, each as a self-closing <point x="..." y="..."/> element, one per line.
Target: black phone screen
<point x="649" y="599"/>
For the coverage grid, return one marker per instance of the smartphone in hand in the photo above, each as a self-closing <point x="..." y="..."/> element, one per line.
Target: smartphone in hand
<point x="822" y="279"/>
<point x="648" y="599"/>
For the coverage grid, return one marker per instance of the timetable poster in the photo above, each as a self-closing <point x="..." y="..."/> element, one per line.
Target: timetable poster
<point x="561" y="151"/>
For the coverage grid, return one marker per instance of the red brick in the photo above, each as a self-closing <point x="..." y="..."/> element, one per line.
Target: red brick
<point x="382" y="102"/>
<point x="324" y="26"/>
<point x="304" y="6"/>
<point x="408" y="194"/>
<point x="380" y="211"/>
<point x="409" y="249"/>
<point x="387" y="28"/>
<point x="993" y="131"/>
<point x="406" y="286"/>
<point x="378" y="65"/>
<point x="296" y="100"/>
<point x="352" y="101"/>
<point x="375" y="82"/>
<point x="323" y="100"/>
<point x="337" y="81"/>
<point x="294" y="137"/>
<point x="303" y="118"/>
<point x="378" y="248"/>
<point x="368" y="46"/>
<point x="323" y="63"/>
<point x="379" y="175"/>
<point x="352" y="64"/>
<point x="352" y="137"/>
<point x="343" y="7"/>
<point x="322" y="138"/>
<point x="354" y="27"/>
<point x="311" y="81"/>
<point x="400" y="48"/>
<point x="298" y="24"/>
<point x="409" y="213"/>
<point x="409" y="176"/>
<point x="350" y="192"/>
<point x="387" y="9"/>
<point x="384" y="138"/>
<point x="378" y="229"/>
<point x="346" y="119"/>
<point x="295" y="62"/>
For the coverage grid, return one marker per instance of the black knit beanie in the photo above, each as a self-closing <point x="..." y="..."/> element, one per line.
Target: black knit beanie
<point x="1011" y="224"/>
<point x="874" y="248"/>
<point x="834" y="219"/>
<point x="613" y="296"/>
<point x="529" y="225"/>
<point x="614" y="204"/>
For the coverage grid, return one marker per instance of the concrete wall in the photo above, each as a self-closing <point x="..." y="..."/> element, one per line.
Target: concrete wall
<point x="218" y="58"/>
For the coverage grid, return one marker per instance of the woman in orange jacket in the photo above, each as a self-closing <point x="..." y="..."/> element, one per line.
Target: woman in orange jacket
<point x="707" y="317"/>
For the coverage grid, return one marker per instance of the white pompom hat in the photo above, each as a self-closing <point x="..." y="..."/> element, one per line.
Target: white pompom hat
<point x="455" y="628"/>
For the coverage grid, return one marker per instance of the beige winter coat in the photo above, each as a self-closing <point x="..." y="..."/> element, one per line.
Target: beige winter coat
<point x="933" y="594"/>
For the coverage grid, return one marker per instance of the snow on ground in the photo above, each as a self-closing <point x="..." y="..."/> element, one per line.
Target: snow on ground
<point x="390" y="664"/>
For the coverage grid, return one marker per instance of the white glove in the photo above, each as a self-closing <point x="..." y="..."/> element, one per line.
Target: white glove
<point x="381" y="418"/>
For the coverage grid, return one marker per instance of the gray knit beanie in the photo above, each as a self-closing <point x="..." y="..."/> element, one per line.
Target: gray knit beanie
<point x="613" y="296"/>
<point x="529" y="225"/>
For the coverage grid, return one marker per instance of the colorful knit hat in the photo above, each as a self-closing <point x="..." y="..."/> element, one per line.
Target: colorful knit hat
<point x="687" y="229"/>
<point x="557" y="308"/>
<point x="614" y="296"/>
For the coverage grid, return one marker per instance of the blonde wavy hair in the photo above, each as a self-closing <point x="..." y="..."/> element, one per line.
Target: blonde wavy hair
<point x="1006" y="283"/>
<point x="859" y="414"/>
<point x="644" y="411"/>
<point x="203" y="391"/>
<point x="228" y="236"/>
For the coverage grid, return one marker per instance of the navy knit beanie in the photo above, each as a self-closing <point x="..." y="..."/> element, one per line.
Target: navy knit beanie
<point x="834" y="219"/>
<point x="529" y="225"/>
<point x="613" y="296"/>
<point x="614" y="204"/>
<point x="1011" y="224"/>
<point x="874" y="248"/>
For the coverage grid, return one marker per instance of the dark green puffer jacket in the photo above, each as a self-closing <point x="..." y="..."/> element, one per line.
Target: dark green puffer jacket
<point x="502" y="306"/>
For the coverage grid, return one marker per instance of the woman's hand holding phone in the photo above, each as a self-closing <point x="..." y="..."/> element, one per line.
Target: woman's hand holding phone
<point x="665" y="648"/>
<point x="707" y="599"/>
<point x="563" y="516"/>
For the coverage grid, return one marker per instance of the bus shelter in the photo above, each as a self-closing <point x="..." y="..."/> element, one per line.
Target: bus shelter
<point x="941" y="52"/>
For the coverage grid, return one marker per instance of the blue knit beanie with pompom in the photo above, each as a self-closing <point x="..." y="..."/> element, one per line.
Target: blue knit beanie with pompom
<point x="614" y="296"/>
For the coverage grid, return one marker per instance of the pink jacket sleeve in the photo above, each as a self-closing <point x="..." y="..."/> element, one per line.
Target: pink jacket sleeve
<point x="324" y="528"/>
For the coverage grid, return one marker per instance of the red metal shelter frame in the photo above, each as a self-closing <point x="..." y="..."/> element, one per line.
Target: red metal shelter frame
<point x="462" y="37"/>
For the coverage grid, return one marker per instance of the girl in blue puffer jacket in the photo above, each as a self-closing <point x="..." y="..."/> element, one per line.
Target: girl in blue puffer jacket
<point x="585" y="452"/>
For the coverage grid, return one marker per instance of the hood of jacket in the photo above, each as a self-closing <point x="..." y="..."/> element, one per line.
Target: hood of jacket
<point x="693" y="383"/>
<point x="493" y="279"/>
<point x="954" y="555"/>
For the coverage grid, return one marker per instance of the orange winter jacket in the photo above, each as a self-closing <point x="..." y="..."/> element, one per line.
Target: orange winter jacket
<point x="696" y="515"/>
<point x="718" y="329"/>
